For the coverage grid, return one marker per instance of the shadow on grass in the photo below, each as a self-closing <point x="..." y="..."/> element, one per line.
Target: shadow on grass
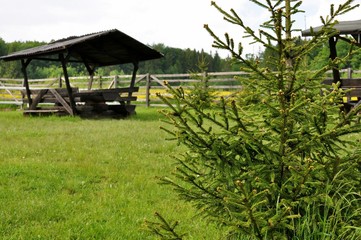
<point x="147" y="114"/>
<point x="142" y="114"/>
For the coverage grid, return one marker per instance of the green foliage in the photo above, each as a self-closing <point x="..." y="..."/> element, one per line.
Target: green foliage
<point x="317" y="223"/>
<point x="321" y="56"/>
<point x="175" y="61"/>
<point x="201" y="94"/>
<point x="164" y="229"/>
<point x="182" y="60"/>
<point x="267" y="169"/>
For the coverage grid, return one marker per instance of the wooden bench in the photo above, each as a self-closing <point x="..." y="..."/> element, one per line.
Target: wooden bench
<point x="55" y="100"/>
<point x="107" y="102"/>
<point x="107" y="95"/>
<point x="353" y="92"/>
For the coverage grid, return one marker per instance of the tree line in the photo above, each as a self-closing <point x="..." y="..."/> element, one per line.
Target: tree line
<point x="175" y="60"/>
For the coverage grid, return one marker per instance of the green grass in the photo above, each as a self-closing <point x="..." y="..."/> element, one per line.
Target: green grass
<point x="70" y="178"/>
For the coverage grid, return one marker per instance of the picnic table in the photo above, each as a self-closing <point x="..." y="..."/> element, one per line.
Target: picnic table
<point x="110" y="102"/>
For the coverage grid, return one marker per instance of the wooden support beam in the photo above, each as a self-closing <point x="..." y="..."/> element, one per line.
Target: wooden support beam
<point x="24" y="65"/>
<point x="91" y="70"/>
<point x="67" y="83"/>
<point x="62" y="101"/>
<point x="132" y="82"/>
<point x="356" y="42"/>
<point x="147" y="90"/>
<point x="134" y="75"/>
<point x="37" y="99"/>
<point x="332" y="41"/>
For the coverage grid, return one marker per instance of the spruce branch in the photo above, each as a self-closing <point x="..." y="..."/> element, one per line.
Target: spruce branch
<point x="164" y="229"/>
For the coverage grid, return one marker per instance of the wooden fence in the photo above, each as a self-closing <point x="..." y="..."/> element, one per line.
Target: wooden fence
<point x="149" y="84"/>
<point x="223" y="83"/>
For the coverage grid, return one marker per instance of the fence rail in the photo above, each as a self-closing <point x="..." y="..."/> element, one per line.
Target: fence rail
<point x="149" y="84"/>
<point x="225" y="83"/>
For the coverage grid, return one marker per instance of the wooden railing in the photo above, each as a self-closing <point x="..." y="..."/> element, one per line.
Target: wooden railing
<point x="225" y="83"/>
<point x="149" y="84"/>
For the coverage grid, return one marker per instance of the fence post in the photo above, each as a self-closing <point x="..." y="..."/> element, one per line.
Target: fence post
<point x="115" y="81"/>
<point x="147" y="90"/>
<point x="100" y="82"/>
<point x="90" y="82"/>
<point x="60" y="82"/>
<point x="349" y="73"/>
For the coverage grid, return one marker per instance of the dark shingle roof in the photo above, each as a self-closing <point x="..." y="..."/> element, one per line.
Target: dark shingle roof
<point x="342" y="27"/>
<point x="100" y="49"/>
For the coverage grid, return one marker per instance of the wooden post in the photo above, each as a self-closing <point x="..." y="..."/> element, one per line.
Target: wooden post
<point x="90" y="83"/>
<point x="349" y="73"/>
<point x="67" y="83"/>
<point x="333" y="55"/>
<point x="147" y="90"/>
<point x="134" y="75"/>
<point x="132" y="82"/>
<point x="115" y="81"/>
<point x="24" y="65"/>
<point x="100" y="82"/>
<point x="91" y="71"/>
<point x="60" y="82"/>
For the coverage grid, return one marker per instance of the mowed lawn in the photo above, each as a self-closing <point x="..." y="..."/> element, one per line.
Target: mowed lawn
<point x="70" y="178"/>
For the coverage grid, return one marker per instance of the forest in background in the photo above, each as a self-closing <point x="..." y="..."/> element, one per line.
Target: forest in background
<point x="175" y="61"/>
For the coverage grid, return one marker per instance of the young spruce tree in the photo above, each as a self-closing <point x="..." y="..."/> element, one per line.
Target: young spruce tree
<point x="286" y="167"/>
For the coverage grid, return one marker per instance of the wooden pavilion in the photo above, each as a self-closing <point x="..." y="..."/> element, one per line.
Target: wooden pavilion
<point x="93" y="50"/>
<point x="342" y="30"/>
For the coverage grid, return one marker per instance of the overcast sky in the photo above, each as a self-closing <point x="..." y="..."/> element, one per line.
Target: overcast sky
<point x="176" y="23"/>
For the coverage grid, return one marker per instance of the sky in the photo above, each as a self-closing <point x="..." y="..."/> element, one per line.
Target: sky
<point x="175" y="23"/>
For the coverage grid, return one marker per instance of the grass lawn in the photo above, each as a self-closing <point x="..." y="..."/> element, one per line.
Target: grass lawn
<point x="70" y="178"/>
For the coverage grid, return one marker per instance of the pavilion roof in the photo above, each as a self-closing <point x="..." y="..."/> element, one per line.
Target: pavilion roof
<point x="104" y="48"/>
<point x="342" y="27"/>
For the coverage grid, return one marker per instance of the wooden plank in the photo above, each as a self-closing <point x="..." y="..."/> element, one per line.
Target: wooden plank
<point x="22" y="89"/>
<point x="353" y="92"/>
<point x="110" y="96"/>
<point x="351" y="83"/>
<point x="34" y="103"/>
<point x="90" y="96"/>
<point x="126" y="99"/>
<point x="61" y="91"/>
<point x="62" y="101"/>
<point x="52" y="99"/>
<point x="11" y="102"/>
<point x="41" y="111"/>
<point x="110" y="90"/>
<point x="345" y="82"/>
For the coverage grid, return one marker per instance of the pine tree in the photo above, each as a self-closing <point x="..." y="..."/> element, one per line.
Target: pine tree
<point x="285" y="167"/>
